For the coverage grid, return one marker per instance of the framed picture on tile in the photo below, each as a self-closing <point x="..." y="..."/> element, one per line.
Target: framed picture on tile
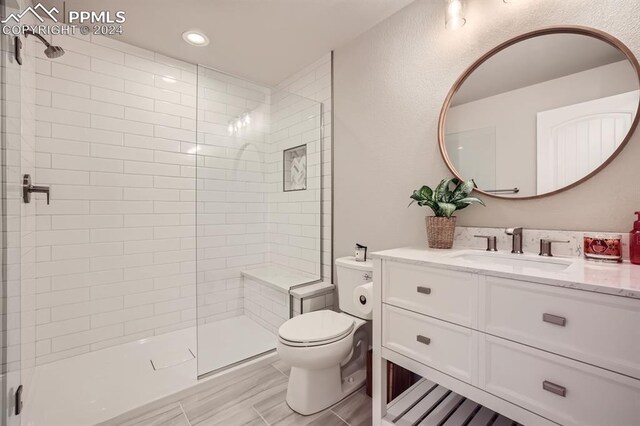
<point x="294" y="168"/>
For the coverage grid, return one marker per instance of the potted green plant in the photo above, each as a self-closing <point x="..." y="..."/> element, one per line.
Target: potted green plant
<point x="444" y="202"/>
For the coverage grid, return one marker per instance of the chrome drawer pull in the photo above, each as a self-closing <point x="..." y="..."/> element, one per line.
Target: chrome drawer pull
<point x="553" y="388"/>
<point x="554" y="319"/>
<point x="424" y="290"/>
<point x="423" y="339"/>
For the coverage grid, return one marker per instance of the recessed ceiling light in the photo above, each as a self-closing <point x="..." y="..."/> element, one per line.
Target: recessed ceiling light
<point x="195" y="38"/>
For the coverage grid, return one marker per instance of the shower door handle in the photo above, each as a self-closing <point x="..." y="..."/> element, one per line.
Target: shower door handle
<point x="28" y="188"/>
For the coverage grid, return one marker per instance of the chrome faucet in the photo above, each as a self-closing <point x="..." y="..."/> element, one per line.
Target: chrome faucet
<point x="516" y="245"/>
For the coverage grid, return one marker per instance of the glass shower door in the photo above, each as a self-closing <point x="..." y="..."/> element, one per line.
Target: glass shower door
<point x="258" y="213"/>
<point x="232" y="130"/>
<point x="10" y="224"/>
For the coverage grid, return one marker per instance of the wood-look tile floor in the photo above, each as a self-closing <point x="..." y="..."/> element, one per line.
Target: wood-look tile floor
<point x="256" y="398"/>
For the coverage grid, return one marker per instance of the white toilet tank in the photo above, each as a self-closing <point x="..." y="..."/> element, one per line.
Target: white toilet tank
<point x="351" y="274"/>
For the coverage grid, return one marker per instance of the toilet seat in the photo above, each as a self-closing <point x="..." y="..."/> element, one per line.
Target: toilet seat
<point x="316" y="328"/>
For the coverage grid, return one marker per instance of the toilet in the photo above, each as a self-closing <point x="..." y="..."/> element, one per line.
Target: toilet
<point x="327" y="350"/>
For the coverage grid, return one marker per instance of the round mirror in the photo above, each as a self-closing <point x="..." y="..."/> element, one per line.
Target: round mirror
<point x="541" y="112"/>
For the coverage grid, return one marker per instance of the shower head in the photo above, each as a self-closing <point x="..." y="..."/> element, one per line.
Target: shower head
<point x="51" y="52"/>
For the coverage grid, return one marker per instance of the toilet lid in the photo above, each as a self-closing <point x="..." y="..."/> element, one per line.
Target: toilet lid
<point x="317" y="326"/>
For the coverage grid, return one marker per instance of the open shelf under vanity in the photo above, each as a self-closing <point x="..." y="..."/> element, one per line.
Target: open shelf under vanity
<point x="428" y="403"/>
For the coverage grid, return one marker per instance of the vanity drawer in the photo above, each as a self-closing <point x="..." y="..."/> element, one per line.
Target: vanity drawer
<point x="446" y="347"/>
<point x="600" y="329"/>
<point x="440" y="293"/>
<point x="563" y="390"/>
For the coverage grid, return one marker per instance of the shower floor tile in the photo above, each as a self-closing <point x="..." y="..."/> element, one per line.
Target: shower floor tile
<point x="97" y="386"/>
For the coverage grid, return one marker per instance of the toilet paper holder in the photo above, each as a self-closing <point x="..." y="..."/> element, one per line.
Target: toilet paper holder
<point x="363" y="298"/>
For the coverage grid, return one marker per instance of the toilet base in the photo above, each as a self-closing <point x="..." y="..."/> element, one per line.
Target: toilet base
<point x="311" y="391"/>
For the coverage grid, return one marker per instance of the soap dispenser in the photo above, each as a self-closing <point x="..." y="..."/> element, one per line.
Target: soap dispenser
<point x="634" y="242"/>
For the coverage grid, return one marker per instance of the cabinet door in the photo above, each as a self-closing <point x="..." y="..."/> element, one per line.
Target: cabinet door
<point x="562" y="390"/>
<point x="600" y="329"/>
<point x="441" y="345"/>
<point x="448" y="295"/>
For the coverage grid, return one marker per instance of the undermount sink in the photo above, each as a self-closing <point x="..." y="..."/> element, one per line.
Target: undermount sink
<point x="488" y="259"/>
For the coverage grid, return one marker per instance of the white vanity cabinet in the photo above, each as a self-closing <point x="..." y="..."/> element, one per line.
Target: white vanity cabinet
<point x="537" y="353"/>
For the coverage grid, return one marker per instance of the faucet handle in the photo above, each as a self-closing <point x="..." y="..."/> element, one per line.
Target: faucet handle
<point x="545" y="246"/>
<point x="28" y="188"/>
<point x="491" y="241"/>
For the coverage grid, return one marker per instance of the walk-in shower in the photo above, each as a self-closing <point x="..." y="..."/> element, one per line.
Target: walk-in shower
<point x="185" y="204"/>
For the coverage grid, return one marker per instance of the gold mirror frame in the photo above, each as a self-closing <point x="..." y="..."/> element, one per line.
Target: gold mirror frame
<point x="586" y="31"/>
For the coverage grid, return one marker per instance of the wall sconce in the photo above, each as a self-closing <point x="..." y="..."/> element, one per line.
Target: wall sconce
<point x="454" y="16"/>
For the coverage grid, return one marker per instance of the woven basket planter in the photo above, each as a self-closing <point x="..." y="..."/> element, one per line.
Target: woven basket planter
<point x="440" y="231"/>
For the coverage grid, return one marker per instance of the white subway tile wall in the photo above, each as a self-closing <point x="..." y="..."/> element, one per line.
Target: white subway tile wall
<point x="115" y="134"/>
<point x="266" y="305"/>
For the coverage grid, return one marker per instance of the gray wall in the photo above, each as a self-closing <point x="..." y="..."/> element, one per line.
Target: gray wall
<point x="389" y="87"/>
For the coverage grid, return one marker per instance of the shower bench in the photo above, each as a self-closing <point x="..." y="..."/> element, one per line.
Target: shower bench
<point x="273" y="294"/>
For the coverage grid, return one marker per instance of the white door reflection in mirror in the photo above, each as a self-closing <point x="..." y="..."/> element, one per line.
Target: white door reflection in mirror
<point x="575" y="140"/>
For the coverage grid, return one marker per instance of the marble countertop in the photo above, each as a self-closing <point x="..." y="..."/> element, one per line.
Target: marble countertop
<point x="619" y="279"/>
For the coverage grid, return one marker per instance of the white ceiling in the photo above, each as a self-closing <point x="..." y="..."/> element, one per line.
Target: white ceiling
<point x="262" y="40"/>
<point x="536" y="60"/>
